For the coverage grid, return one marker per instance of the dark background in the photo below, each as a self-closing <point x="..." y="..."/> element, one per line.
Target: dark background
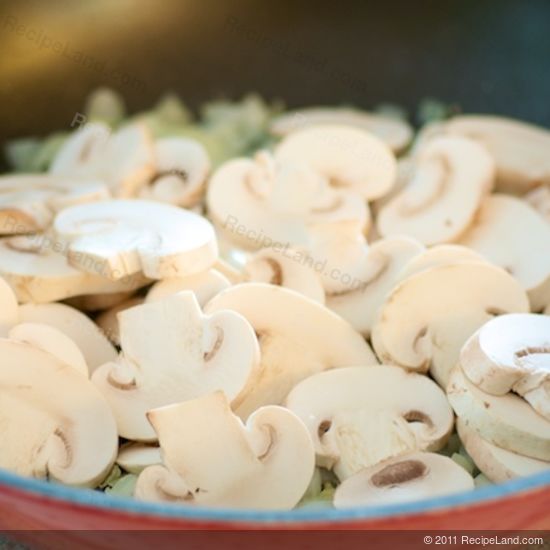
<point x="486" y="55"/>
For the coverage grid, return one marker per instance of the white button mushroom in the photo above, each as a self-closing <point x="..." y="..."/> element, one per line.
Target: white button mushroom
<point x="122" y="237"/>
<point x="212" y="459"/>
<point x="135" y="457"/>
<point x="507" y="421"/>
<point x="395" y="133"/>
<point x="53" y="422"/>
<point x="349" y="157"/>
<point x="359" y="416"/>
<point x="509" y="233"/>
<point x="107" y="321"/>
<point x="298" y="337"/>
<point x="403" y="479"/>
<point x="453" y="175"/>
<point x="512" y="353"/>
<point x="426" y="318"/>
<point x="171" y="352"/>
<point x="496" y="463"/>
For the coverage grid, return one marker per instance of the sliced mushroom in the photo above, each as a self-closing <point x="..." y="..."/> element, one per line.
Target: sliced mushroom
<point x="135" y="457"/>
<point x="539" y="199"/>
<point x="53" y="422"/>
<point x="171" y="352"/>
<point x="9" y="308"/>
<point x="519" y="149"/>
<point x="426" y="318"/>
<point x="52" y="341"/>
<point x="407" y="478"/>
<point x="205" y="286"/>
<point x="512" y="353"/>
<point x="452" y="177"/>
<point x="497" y="464"/>
<point x="122" y="237"/>
<point x="29" y="202"/>
<point x="349" y="157"/>
<point x="265" y="464"/>
<point x="509" y="233"/>
<point x="107" y="321"/>
<point x="37" y="270"/>
<point x="506" y="421"/>
<point x="261" y="204"/>
<point x="359" y="416"/>
<point x="298" y="337"/>
<point x="291" y="268"/>
<point x="181" y="169"/>
<point x="78" y="327"/>
<point x="395" y="133"/>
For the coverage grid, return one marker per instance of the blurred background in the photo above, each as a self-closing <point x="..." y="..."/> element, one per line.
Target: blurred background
<point x="484" y="55"/>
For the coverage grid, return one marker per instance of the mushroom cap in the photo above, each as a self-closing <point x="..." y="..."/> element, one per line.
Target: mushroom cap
<point x="52" y="341"/>
<point x="171" y="352"/>
<point x="135" y="457"/>
<point x="9" y="308"/>
<point x="358" y="416"/>
<point x="512" y="353"/>
<point x="29" y="202"/>
<point x="298" y="337"/>
<point x="256" y="203"/>
<point x="53" y="421"/>
<point x="519" y="149"/>
<point x="93" y="344"/>
<point x="122" y="237"/>
<point x="497" y="464"/>
<point x="182" y="166"/>
<point x="265" y="464"/>
<point x="384" y="261"/>
<point x="290" y="268"/>
<point x="426" y="318"/>
<point x="408" y="478"/>
<point x="349" y="157"/>
<point x="107" y="321"/>
<point x="507" y="421"/>
<point x="395" y="133"/>
<point x="453" y="175"/>
<point x="511" y="234"/>
<point x="205" y="286"/>
<point x="36" y="269"/>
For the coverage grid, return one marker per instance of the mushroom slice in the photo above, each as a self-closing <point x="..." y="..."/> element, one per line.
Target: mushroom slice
<point x="9" y="308"/>
<point x="539" y="199"/>
<point x="407" y="478"/>
<point x="507" y="421"/>
<point x="108" y="320"/>
<point x="497" y="464"/>
<point x="257" y="203"/>
<point x="124" y="237"/>
<point x="204" y="285"/>
<point x="298" y="337"/>
<point x="29" y="202"/>
<point x="290" y="268"/>
<point x="509" y="233"/>
<point x="171" y="352"/>
<point x="53" y="422"/>
<point x="519" y="149"/>
<point x="78" y="327"/>
<point x="441" y="254"/>
<point x="349" y="157"/>
<point x="265" y="464"/>
<point x="395" y="133"/>
<point x="359" y="416"/>
<point x="52" y="341"/>
<point x="182" y="166"/>
<point x="426" y="318"/>
<point x="135" y="457"/>
<point x="453" y="175"/>
<point x="38" y="272"/>
<point x="512" y="353"/>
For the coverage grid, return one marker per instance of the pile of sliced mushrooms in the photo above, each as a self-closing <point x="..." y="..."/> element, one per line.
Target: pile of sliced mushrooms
<point x="337" y="311"/>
